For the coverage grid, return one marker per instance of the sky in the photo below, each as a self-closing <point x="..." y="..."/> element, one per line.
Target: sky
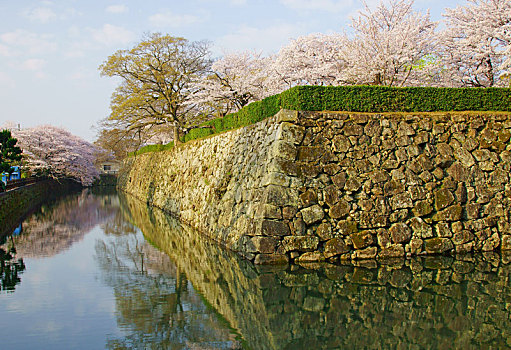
<point x="50" y="50"/>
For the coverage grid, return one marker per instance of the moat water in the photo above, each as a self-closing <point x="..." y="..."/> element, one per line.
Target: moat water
<point x="102" y="270"/>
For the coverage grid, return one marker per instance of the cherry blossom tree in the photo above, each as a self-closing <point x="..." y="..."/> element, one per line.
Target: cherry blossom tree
<point x="58" y="152"/>
<point x="313" y="59"/>
<point x="391" y="45"/>
<point x="235" y="80"/>
<point x="477" y="43"/>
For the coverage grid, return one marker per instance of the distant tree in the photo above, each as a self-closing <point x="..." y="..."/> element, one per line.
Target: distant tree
<point x="117" y="138"/>
<point x="58" y="153"/>
<point x="389" y="45"/>
<point x="235" y="80"/>
<point x="476" y="43"/>
<point x="9" y="152"/>
<point x="156" y="82"/>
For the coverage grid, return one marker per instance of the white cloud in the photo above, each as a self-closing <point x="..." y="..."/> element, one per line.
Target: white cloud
<point x="238" y="2"/>
<point x="22" y="42"/>
<point x="40" y="14"/>
<point x="169" y="19"/>
<point x="111" y="35"/>
<point x="116" y="9"/>
<point x="267" y="39"/>
<point x="32" y="64"/>
<point x="318" y="5"/>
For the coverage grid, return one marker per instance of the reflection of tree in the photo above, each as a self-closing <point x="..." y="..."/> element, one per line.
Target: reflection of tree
<point x="57" y="225"/>
<point x="117" y="225"/>
<point x="10" y="269"/>
<point x="156" y="304"/>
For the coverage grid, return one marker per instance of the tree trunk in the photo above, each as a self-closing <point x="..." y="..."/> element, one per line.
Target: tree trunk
<point x="176" y="135"/>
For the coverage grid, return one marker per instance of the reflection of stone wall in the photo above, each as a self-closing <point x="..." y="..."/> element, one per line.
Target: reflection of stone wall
<point x="227" y="282"/>
<point x="425" y="302"/>
<point x="309" y="186"/>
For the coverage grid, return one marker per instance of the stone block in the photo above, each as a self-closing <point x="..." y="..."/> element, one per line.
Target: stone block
<point x="340" y="210"/>
<point x="352" y="184"/>
<point x="335" y="246"/>
<point x="331" y="195"/>
<point x="383" y="238"/>
<point x="372" y="219"/>
<point x="346" y="227"/>
<point x="268" y="211"/>
<point x="393" y="251"/>
<point x="285" y="150"/>
<point x="274" y="228"/>
<point x="341" y="143"/>
<point x="289" y="212"/>
<point x="400" y="233"/>
<point x="290" y="132"/>
<point x="310" y="257"/>
<point x="286" y="115"/>
<point x="265" y="245"/>
<point x="438" y="245"/>
<point x="324" y="231"/>
<point x="367" y="253"/>
<point x="393" y="187"/>
<point x="308" y="198"/>
<point x="462" y="237"/>
<point x="401" y="201"/>
<point x="472" y="210"/>
<point x="405" y="129"/>
<point x="271" y="259"/>
<point x="353" y="130"/>
<point x="422" y="208"/>
<point x="339" y="180"/>
<point x="505" y="242"/>
<point x="300" y="243"/>
<point x="378" y="176"/>
<point x="443" y="198"/>
<point x="420" y="228"/>
<point x="312" y="214"/>
<point x="458" y="172"/>
<point x="310" y="153"/>
<point x="452" y="213"/>
<point x="280" y="196"/>
<point x="362" y="239"/>
<point x="464" y="156"/>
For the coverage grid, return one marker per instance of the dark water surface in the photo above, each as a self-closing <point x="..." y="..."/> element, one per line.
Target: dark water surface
<point x="95" y="271"/>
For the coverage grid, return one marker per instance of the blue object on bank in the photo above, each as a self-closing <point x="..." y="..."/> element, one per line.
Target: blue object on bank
<point x="15" y="175"/>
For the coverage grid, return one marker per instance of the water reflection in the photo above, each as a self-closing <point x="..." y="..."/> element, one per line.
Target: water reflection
<point x="435" y="302"/>
<point x="169" y="288"/>
<point x="155" y="303"/>
<point x="11" y="267"/>
<point x="57" y="225"/>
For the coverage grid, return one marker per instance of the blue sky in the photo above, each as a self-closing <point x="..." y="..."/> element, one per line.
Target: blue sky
<point x="50" y="50"/>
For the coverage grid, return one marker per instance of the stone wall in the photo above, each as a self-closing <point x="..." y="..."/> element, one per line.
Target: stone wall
<point x="310" y="186"/>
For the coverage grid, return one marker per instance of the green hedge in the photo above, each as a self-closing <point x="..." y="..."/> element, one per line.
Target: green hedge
<point x="391" y="99"/>
<point x="375" y="99"/>
<point x="152" y="148"/>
